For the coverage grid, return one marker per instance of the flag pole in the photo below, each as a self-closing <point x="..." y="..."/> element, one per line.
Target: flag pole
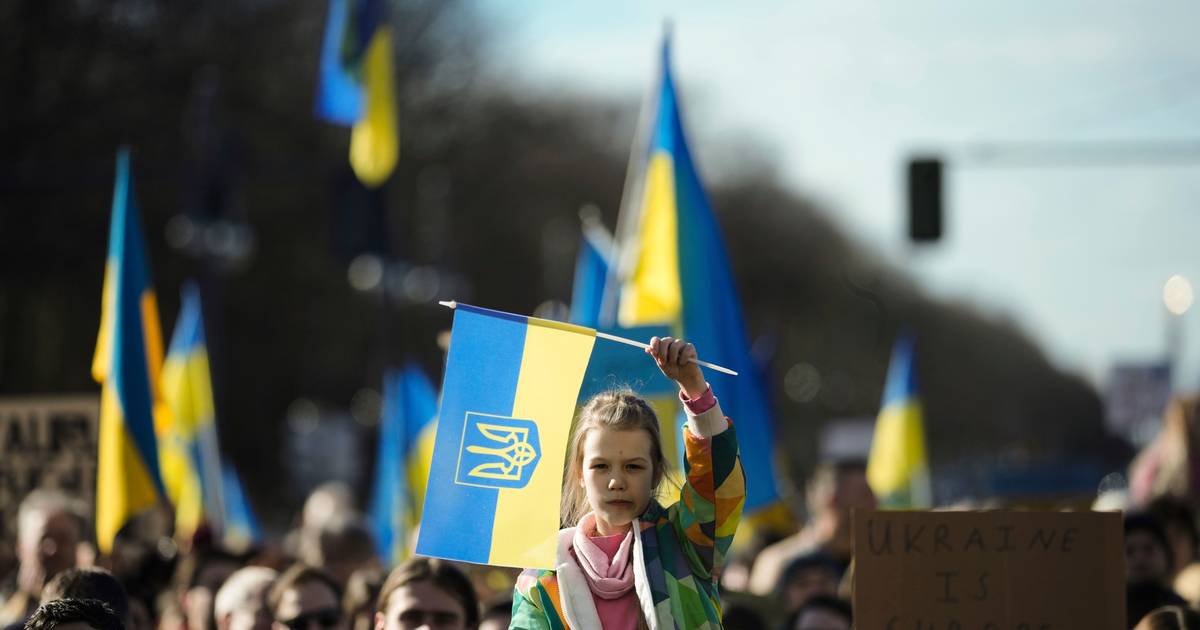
<point x="629" y="342"/>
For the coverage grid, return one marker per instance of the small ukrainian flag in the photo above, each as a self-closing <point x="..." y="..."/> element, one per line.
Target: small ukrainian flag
<point x="508" y="397"/>
<point x="898" y="468"/>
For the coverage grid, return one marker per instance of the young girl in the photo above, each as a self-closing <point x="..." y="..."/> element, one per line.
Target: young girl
<point x="628" y="562"/>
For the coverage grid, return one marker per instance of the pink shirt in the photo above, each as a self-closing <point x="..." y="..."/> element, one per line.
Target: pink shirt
<point x="620" y="613"/>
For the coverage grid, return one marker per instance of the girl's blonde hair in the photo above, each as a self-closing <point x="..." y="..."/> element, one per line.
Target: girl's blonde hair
<point x="617" y="409"/>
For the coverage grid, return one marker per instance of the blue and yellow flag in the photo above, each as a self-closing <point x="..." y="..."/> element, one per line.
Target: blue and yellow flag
<point x="356" y="87"/>
<point x="189" y="452"/>
<point x="407" y="430"/>
<point x="681" y="277"/>
<point x="507" y="400"/>
<point x="898" y="469"/>
<point x="127" y="364"/>
<point x="241" y="529"/>
<point x="591" y="276"/>
<point x="613" y="367"/>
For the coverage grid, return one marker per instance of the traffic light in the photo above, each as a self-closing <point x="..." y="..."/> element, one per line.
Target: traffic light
<point x="924" y="199"/>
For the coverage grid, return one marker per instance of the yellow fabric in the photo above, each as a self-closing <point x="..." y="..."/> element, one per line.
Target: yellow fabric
<point x="552" y="367"/>
<point x="123" y="485"/>
<point x="188" y="390"/>
<point x="652" y="293"/>
<point x="898" y="466"/>
<point x="375" y="139"/>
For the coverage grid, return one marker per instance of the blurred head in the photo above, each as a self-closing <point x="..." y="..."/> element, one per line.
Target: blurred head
<point x="306" y="598"/>
<point x="344" y="545"/>
<point x="199" y="576"/>
<point x="241" y="602"/>
<point x="1179" y="524"/>
<point x="74" y="614"/>
<point x="1170" y="618"/>
<point x="824" y="612"/>
<point x="1187" y="584"/>
<point x="836" y="488"/>
<point x="427" y="593"/>
<point x="814" y="573"/>
<point x="1147" y="552"/>
<point x="615" y="461"/>
<point x="362" y="590"/>
<point x="90" y="583"/>
<point x="49" y="530"/>
<point x="497" y="615"/>
<point x="325" y="502"/>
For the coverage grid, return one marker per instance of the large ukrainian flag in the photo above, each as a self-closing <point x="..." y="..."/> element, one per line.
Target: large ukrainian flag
<point x="681" y="277"/>
<point x="406" y="437"/>
<point x="189" y="453"/>
<point x="898" y="468"/>
<point x="127" y="364"/>
<point x="508" y="397"/>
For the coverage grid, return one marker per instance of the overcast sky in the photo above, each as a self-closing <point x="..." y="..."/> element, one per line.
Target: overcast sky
<point x="840" y="92"/>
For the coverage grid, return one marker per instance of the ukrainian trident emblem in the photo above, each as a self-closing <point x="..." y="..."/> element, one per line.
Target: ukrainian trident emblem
<point x="497" y="451"/>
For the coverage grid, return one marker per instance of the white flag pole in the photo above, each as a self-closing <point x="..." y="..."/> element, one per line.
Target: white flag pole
<point x="636" y="344"/>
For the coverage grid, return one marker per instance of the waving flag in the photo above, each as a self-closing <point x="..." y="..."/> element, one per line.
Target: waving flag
<point x="127" y="364"/>
<point x="591" y="275"/>
<point x="406" y="434"/>
<point x="898" y="468"/>
<point x="508" y="397"/>
<point x="241" y="529"/>
<point x="679" y="275"/>
<point x="356" y="87"/>
<point x="189" y="453"/>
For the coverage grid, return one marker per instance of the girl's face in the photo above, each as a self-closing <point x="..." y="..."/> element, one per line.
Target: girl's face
<point x="618" y="475"/>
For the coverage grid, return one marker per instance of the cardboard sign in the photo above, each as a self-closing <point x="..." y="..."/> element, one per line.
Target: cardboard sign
<point x="995" y="570"/>
<point x="46" y="442"/>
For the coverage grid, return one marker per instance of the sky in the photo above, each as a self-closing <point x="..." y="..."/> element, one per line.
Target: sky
<point x="841" y="93"/>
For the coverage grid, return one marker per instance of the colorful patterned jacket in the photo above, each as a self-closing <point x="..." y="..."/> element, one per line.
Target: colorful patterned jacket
<point x="678" y="551"/>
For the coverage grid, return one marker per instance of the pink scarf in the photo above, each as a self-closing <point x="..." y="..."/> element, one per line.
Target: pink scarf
<point x="608" y="579"/>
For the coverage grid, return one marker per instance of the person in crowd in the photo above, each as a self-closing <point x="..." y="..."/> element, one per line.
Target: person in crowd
<point x="306" y="598"/>
<point x="823" y="612"/>
<point x="614" y="468"/>
<point x="813" y="573"/>
<point x="1147" y="552"/>
<point x="497" y="615"/>
<point x="74" y="614"/>
<point x="1179" y="523"/>
<point x="91" y="583"/>
<point x="343" y="545"/>
<point x="1170" y="464"/>
<point x="427" y="592"/>
<point x="1170" y="618"/>
<point x="362" y="589"/>
<point x="241" y="602"/>
<point x="834" y="490"/>
<point x="325" y="503"/>
<point x="49" y="531"/>
<point x="198" y="577"/>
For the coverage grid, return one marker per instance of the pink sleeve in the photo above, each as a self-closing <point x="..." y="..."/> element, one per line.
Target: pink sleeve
<point x="701" y="403"/>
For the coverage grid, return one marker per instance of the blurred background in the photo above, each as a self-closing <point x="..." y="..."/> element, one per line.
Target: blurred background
<point x="1015" y="184"/>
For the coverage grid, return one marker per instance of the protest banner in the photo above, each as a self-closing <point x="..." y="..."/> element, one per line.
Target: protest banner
<point x="993" y="570"/>
<point x="46" y="442"/>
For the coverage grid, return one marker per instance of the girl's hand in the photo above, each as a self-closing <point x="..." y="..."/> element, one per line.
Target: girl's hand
<point x="673" y="357"/>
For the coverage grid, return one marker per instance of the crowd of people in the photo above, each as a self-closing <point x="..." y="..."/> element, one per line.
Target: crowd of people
<point x="327" y="574"/>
